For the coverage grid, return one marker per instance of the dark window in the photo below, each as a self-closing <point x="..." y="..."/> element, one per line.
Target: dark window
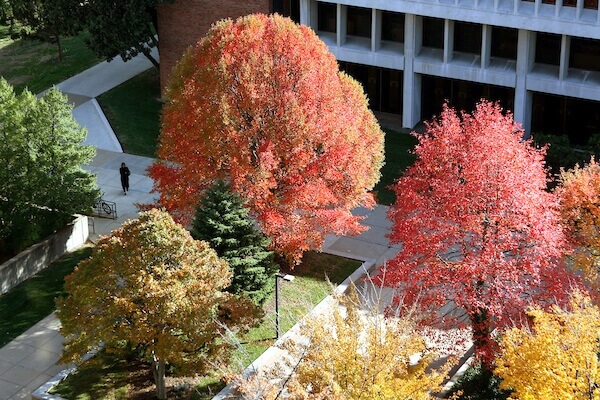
<point x="288" y="8"/>
<point x="547" y="48"/>
<point x="585" y="54"/>
<point x="504" y="43"/>
<point x="392" y="26"/>
<point x="327" y="17"/>
<point x="467" y="37"/>
<point x="382" y="86"/>
<point x="359" y="21"/>
<point x="579" y="119"/>
<point x="433" y="32"/>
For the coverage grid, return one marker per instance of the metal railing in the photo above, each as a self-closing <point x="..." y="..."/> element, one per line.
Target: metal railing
<point x="106" y="209"/>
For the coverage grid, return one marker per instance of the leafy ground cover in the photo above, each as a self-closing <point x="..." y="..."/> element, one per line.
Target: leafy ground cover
<point x="35" y="65"/>
<point x="109" y="378"/>
<point x="133" y="109"/>
<point x="32" y="300"/>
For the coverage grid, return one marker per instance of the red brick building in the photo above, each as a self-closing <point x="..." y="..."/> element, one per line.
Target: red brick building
<point x="184" y="22"/>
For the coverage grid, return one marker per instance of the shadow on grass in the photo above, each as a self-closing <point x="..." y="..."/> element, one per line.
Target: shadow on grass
<point x="133" y="109"/>
<point x="397" y="159"/>
<point x="34" y="64"/>
<point x="32" y="300"/>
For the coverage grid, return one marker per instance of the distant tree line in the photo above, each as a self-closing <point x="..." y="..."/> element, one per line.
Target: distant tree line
<point x="117" y="28"/>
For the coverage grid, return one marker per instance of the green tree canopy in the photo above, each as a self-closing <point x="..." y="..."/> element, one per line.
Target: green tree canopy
<point x="223" y="221"/>
<point x="123" y="28"/>
<point x="42" y="183"/>
<point x="46" y="20"/>
<point x="151" y="285"/>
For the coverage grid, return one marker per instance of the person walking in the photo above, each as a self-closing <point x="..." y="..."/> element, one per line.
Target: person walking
<point x="124" y="171"/>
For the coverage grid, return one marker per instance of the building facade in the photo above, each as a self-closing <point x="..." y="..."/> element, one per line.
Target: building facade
<point x="540" y="59"/>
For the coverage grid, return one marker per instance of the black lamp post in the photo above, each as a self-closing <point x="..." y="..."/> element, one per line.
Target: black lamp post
<point x="285" y="277"/>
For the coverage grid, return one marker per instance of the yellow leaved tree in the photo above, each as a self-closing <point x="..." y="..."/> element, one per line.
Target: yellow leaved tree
<point x="152" y="286"/>
<point x="350" y="353"/>
<point x="557" y="358"/>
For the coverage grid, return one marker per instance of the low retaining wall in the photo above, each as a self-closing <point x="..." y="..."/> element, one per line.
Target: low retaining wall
<point x="40" y="255"/>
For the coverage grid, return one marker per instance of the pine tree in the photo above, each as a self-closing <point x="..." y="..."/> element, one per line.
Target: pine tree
<point x="222" y="220"/>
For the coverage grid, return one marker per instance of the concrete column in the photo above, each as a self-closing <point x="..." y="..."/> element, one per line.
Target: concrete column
<point x="565" y="53"/>
<point x="376" y="30"/>
<point x="486" y="45"/>
<point x="523" y="98"/>
<point x="305" y="6"/>
<point x="342" y="23"/>
<point x="411" y="96"/>
<point x="417" y="33"/>
<point x="448" y="39"/>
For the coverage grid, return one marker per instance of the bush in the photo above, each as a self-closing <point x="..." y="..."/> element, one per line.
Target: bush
<point x="479" y="383"/>
<point x="561" y="153"/>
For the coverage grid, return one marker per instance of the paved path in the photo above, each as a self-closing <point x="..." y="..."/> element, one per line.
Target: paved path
<point x="30" y="360"/>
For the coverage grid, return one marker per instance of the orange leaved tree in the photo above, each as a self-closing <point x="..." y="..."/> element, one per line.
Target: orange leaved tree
<point x="260" y="102"/>
<point x="557" y="358"/>
<point x="478" y="229"/>
<point x="579" y="193"/>
<point x="153" y="287"/>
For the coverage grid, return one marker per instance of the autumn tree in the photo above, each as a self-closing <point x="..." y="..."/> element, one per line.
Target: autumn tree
<point x="351" y="351"/>
<point x="579" y="193"/>
<point x="42" y="183"/>
<point x="223" y="221"/>
<point x="557" y="358"/>
<point x="152" y="286"/>
<point x="260" y="103"/>
<point x="478" y="229"/>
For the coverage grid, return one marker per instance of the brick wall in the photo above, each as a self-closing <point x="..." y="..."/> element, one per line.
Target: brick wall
<point x="184" y="22"/>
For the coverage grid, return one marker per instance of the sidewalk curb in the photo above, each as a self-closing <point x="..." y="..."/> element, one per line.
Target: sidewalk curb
<point x="106" y="125"/>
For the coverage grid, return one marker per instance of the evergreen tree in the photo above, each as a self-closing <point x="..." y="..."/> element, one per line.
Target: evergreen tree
<point x="222" y="220"/>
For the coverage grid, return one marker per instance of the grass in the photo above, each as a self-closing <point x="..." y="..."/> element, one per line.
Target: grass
<point x="32" y="300"/>
<point x="397" y="158"/>
<point x="109" y="378"/>
<point x="35" y="65"/>
<point x="133" y="109"/>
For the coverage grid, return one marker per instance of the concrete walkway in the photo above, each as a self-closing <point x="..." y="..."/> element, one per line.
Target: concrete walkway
<point x="30" y="360"/>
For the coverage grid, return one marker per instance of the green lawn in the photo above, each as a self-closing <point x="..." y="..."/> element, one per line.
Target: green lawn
<point x="397" y="158"/>
<point x="32" y="300"/>
<point x="108" y="378"/>
<point x="35" y="65"/>
<point x="133" y="109"/>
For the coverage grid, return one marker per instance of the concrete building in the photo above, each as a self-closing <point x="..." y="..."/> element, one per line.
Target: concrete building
<point x="539" y="58"/>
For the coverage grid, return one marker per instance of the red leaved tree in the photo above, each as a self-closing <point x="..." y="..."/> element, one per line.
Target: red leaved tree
<point x="261" y="103"/>
<point x="478" y="229"/>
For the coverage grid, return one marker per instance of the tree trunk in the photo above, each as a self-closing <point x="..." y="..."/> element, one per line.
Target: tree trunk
<point x="152" y="59"/>
<point x="158" y="370"/>
<point x="482" y="340"/>
<point x="59" y="47"/>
